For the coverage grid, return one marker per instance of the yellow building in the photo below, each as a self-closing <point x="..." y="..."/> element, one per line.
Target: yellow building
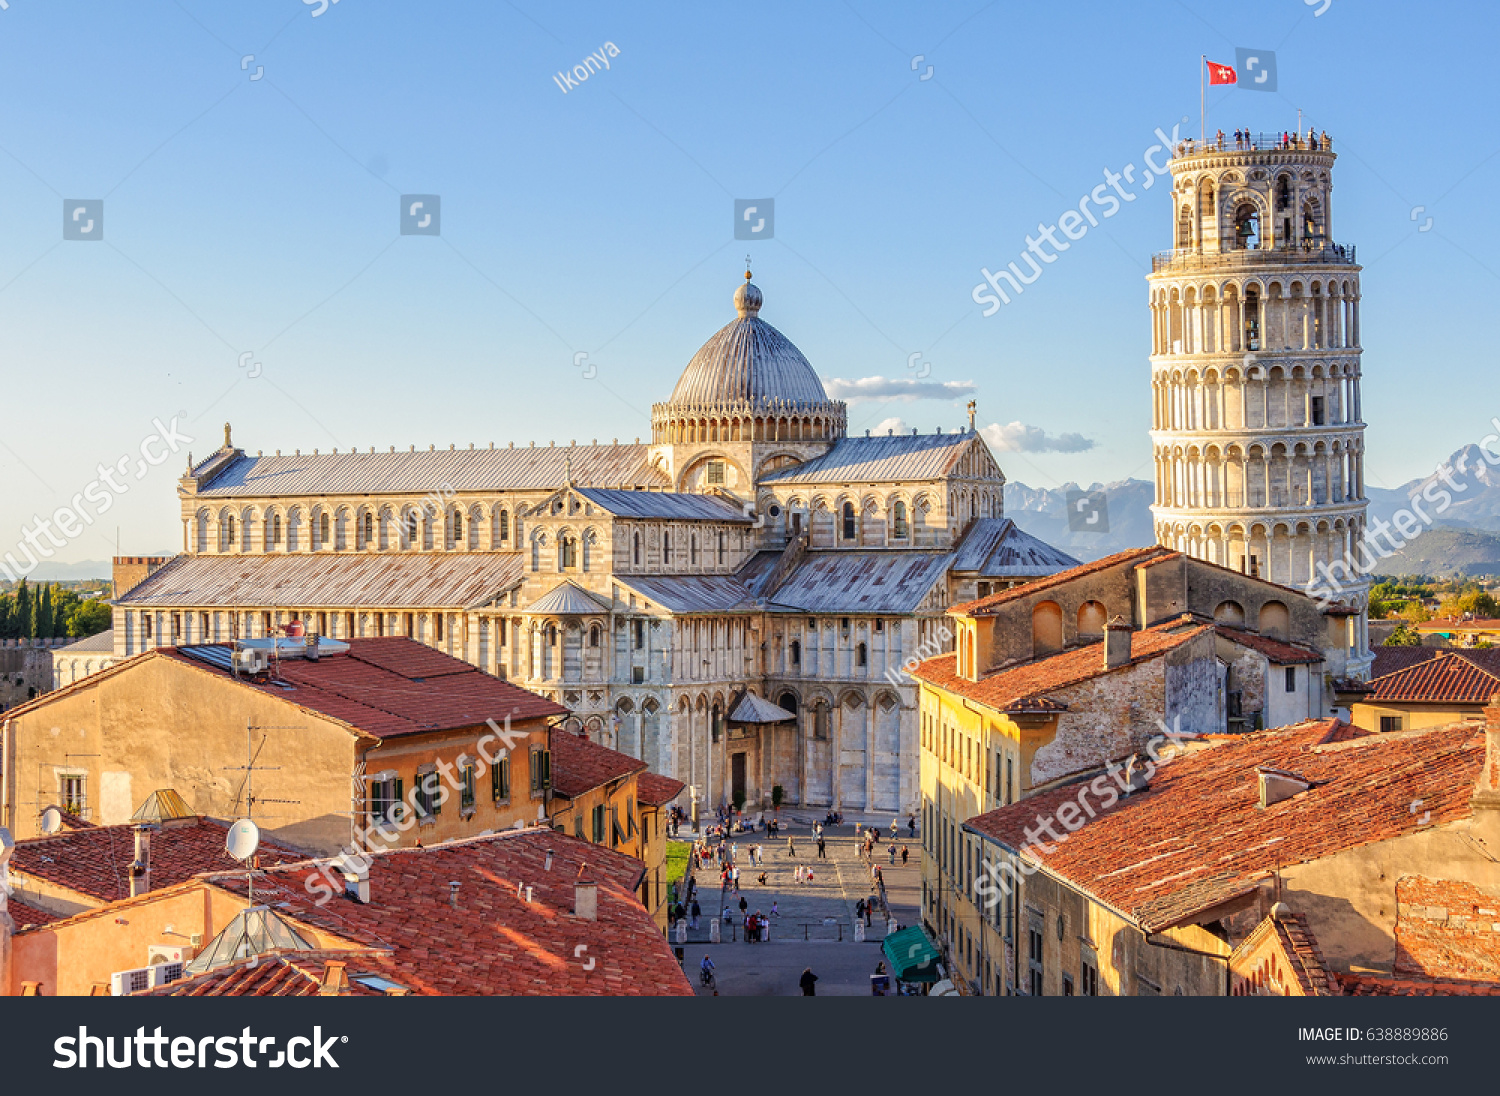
<point x="1425" y="687"/>
<point x="340" y="739"/>
<point x="608" y="798"/>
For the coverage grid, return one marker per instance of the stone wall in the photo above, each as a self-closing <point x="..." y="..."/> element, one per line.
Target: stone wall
<point x="26" y="669"/>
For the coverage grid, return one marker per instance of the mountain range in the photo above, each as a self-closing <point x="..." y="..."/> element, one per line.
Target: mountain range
<point x="1464" y="533"/>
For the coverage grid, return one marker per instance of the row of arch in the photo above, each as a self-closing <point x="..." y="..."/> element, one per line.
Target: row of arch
<point x="1255" y="398"/>
<point x="678" y="428"/>
<point x="342" y="527"/>
<point x="1255" y="313"/>
<point x="1258" y="211"/>
<point x="1261" y="473"/>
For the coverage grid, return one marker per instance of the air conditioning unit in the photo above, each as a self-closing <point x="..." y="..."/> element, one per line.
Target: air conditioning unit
<point x="252" y="660"/>
<point x="123" y="983"/>
<point x="157" y="954"/>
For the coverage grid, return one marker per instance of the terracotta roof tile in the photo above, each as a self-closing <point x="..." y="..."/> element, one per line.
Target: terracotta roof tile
<point x="391" y="686"/>
<point x="96" y="861"/>
<point x="1024" y="687"/>
<point x="1278" y="651"/>
<point x="1387" y="985"/>
<point x="25" y="915"/>
<point x="656" y="790"/>
<point x="1197" y="835"/>
<point x="282" y="974"/>
<point x="579" y="765"/>
<point x="494" y="941"/>
<point x="1451" y="677"/>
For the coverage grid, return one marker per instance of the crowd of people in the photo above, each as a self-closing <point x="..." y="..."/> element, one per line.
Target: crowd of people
<point x="1244" y="140"/>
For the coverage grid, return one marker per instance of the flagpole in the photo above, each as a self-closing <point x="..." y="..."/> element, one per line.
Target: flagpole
<point x="1202" y="115"/>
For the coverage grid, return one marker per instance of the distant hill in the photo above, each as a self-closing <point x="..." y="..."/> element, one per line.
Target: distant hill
<point x="48" y="571"/>
<point x="1445" y="550"/>
<point x="1043" y="512"/>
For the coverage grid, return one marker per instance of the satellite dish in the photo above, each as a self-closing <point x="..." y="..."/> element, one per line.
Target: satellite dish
<point x="51" y="820"/>
<point x="243" y="839"/>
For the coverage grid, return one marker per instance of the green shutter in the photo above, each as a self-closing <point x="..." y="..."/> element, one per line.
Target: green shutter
<point x="434" y="793"/>
<point x="400" y="811"/>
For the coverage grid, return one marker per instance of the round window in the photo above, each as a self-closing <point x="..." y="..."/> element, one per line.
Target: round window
<point x="775" y="511"/>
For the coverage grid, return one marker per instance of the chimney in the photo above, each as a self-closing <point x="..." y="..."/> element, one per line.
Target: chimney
<point x="1137" y="776"/>
<point x="547" y="864"/>
<point x="335" y="981"/>
<point x="586" y="900"/>
<point x="310" y="647"/>
<point x="1116" y="643"/>
<point x="1276" y="786"/>
<point x="140" y="869"/>
<point x="356" y="871"/>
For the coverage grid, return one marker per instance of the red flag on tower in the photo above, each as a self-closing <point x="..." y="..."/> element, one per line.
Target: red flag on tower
<point x="1220" y="74"/>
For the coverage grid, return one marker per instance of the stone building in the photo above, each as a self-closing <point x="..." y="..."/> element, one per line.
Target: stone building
<point x="751" y="546"/>
<point x="1255" y="371"/>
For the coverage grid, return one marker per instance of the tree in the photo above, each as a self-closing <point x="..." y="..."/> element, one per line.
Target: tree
<point x="44" y="621"/>
<point x="90" y="618"/>
<point x="1404" y="636"/>
<point x="1416" y="613"/>
<point x="7" y="617"/>
<point x="24" y="618"/>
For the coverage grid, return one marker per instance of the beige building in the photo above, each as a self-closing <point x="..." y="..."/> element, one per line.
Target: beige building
<point x="1085" y="667"/>
<point x="375" y="731"/>
<point x="750" y="546"/>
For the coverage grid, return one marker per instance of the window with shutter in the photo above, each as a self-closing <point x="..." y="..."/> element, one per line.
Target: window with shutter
<point x="500" y="780"/>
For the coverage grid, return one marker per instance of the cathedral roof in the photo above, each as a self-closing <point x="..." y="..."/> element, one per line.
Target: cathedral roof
<point x="448" y="580"/>
<point x="567" y="599"/>
<point x="748" y="360"/>
<point x="421" y="472"/>
<point x="998" y="548"/>
<point x="666" y="505"/>
<point x="893" y="458"/>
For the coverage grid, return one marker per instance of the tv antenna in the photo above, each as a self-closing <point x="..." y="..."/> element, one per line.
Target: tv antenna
<point x="250" y="768"/>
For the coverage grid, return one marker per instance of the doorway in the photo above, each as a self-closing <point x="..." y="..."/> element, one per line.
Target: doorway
<point x="737" y="778"/>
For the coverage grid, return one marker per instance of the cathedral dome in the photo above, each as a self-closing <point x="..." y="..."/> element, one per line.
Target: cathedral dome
<point x="748" y="361"/>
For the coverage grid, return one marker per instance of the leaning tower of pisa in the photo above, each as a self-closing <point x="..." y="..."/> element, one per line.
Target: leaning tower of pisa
<point x="1256" y="429"/>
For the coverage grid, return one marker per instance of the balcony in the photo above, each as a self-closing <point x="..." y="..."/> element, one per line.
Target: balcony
<point x="1255" y="142"/>
<point x="1311" y="252"/>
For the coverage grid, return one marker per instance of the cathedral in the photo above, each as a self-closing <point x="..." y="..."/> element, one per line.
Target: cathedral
<point x="733" y="602"/>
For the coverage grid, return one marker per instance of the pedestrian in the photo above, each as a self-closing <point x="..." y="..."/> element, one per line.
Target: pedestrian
<point x="696" y="910"/>
<point x="734" y="875"/>
<point x="869" y="912"/>
<point x="807" y="982"/>
<point x="822" y="850"/>
<point x="904" y="853"/>
<point x="728" y="916"/>
<point x="895" y="828"/>
<point x="743" y="904"/>
<point x="761" y="879"/>
<point x="911" y="825"/>
<point x="791" y="849"/>
<point x="774" y="911"/>
<point x="807" y="876"/>
<point x="1221" y="139"/>
<point x="893" y="854"/>
<point x="859" y="908"/>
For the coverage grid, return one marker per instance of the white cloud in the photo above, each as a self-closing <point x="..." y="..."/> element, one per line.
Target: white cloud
<point x="1017" y="437"/>
<point x="884" y="426"/>
<point x="904" y="389"/>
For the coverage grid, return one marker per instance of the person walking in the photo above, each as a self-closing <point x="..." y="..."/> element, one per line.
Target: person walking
<point x="893" y="854"/>
<point x="911" y="826"/>
<point x="808" y="981"/>
<point x="697" y="911"/>
<point x="791" y="848"/>
<point x="734" y="874"/>
<point x="822" y="850"/>
<point x="774" y="911"/>
<point x="904" y="853"/>
<point x="895" y="828"/>
<point x="744" y="905"/>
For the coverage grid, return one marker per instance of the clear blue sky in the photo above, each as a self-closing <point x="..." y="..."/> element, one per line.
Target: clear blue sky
<point x="261" y="216"/>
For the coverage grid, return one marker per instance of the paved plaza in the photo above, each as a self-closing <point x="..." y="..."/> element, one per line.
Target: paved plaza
<point x="815" y="928"/>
